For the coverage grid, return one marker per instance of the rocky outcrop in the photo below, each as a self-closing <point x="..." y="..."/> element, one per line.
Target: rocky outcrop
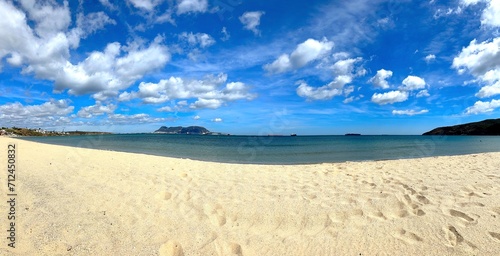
<point x="486" y="127"/>
<point x="183" y="130"/>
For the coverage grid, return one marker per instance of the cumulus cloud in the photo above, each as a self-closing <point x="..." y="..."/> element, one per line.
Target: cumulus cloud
<point x="45" y="51"/>
<point x="196" y="117"/>
<point x="96" y="110"/>
<point x="209" y="92"/>
<point x="49" y="17"/>
<point x="110" y="70"/>
<point x="166" y="109"/>
<point x="87" y="25"/>
<point x="423" y="93"/>
<point x="199" y="39"/>
<point x="120" y="119"/>
<point x="348" y="100"/>
<point x="251" y="20"/>
<point x="409" y="112"/>
<point x="430" y="58"/>
<point x="380" y="79"/>
<point x="147" y="5"/>
<point x="217" y="120"/>
<point x="324" y="92"/>
<point x="482" y="60"/>
<point x="389" y="97"/>
<point x="483" y="107"/>
<point x="344" y="72"/>
<point x="305" y="53"/>
<point x="191" y="6"/>
<point x="489" y="90"/>
<point x="51" y="113"/>
<point x="491" y="14"/>
<point x="412" y="83"/>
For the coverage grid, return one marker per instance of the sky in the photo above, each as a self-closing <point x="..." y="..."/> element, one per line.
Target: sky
<point x="249" y="67"/>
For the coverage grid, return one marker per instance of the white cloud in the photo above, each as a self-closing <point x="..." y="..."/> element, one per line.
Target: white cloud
<point x="344" y="74"/>
<point x="147" y="5"/>
<point x="430" y="58"/>
<point x="87" y="25"/>
<point x="491" y="14"/>
<point x="225" y="34"/>
<point x="196" y="117"/>
<point x="49" y="17"/>
<point x="45" y="51"/>
<point x="54" y="112"/>
<point x="409" y="112"/>
<point x="108" y="71"/>
<point x="482" y="60"/>
<point x="489" y="90"/>
<point x="389" y="97"/>
<point x="120" y="119"/>
<point x="380" y="79"/>
<point x="348" y="90"/>
<point x="165" y="109"/>
<point x="96" y="110"/>
<point x="53" y="107"/>
<point x="210" y="92"/>
<point x="345" y="66"/>
<point x="191" y="6"/>
<point x="348" y="100"/>
<point x="217" y="120"/>
<point x="206" y="103"/>
<point x="107" y="4"/>
<point x="201" y="39"/>
<point x="411" y="83"/>
<point x="251" y="20"/>
<point x="470" y="2"/>
<point x="483" y="107"/>
<point x="324" y="92"/>
<point x="305" y="53"/>
<point x="423" y="93"/>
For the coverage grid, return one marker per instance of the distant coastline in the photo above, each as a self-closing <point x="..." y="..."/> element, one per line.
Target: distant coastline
<point x="21" y="132"/>
<point x="486" y="127"/>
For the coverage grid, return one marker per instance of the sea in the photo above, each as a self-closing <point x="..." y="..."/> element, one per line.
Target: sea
<point x="282" y="149"/>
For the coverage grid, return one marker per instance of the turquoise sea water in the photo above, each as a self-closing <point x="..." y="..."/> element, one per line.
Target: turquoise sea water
<point x="283" y="150"/>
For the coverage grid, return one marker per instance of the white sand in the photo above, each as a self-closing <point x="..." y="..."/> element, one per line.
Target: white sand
<point x="74" y="201"/>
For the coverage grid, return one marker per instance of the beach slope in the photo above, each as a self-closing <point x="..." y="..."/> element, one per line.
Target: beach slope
<point x="76" y="201"/>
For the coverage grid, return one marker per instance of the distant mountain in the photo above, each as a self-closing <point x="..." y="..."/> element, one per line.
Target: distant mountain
<point x="183" y="130"/>
<point x="486" y="127"/>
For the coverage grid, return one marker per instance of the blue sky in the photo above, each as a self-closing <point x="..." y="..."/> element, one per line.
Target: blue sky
<point x="249" y="67"/>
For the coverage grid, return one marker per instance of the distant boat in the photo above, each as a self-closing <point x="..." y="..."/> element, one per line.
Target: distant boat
<point x="293" y="134"/>
<point x="352" y="134"/>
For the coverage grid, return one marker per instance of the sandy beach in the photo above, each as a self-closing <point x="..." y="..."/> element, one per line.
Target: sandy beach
<point x="75" y="201"/>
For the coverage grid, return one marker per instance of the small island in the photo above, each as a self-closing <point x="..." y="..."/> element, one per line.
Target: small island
<point x="486" y="127"/>
<point x="194" y="130"/>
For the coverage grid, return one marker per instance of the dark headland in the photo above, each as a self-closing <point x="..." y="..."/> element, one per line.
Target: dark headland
<point x="486" y="127"/>
<point x="195" y="130"/>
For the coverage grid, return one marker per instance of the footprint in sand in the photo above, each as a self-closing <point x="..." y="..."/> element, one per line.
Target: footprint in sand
<point x="495" y="235"/>
<point x="452" y="236"/>
<point x="469" y="204"/>
<point x="422" y="199"/>
<point x="463" y="216"/>
<point x="171" y="248"/>
<point x="408" y="237"/>
<point x="163" y="195"/>
<point x="235" y="249"/>
<point x="215" y="213"/>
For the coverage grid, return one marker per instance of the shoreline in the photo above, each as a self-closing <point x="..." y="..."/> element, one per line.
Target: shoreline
<point x="82" y="201"/>
<point x="248" y="162"/>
